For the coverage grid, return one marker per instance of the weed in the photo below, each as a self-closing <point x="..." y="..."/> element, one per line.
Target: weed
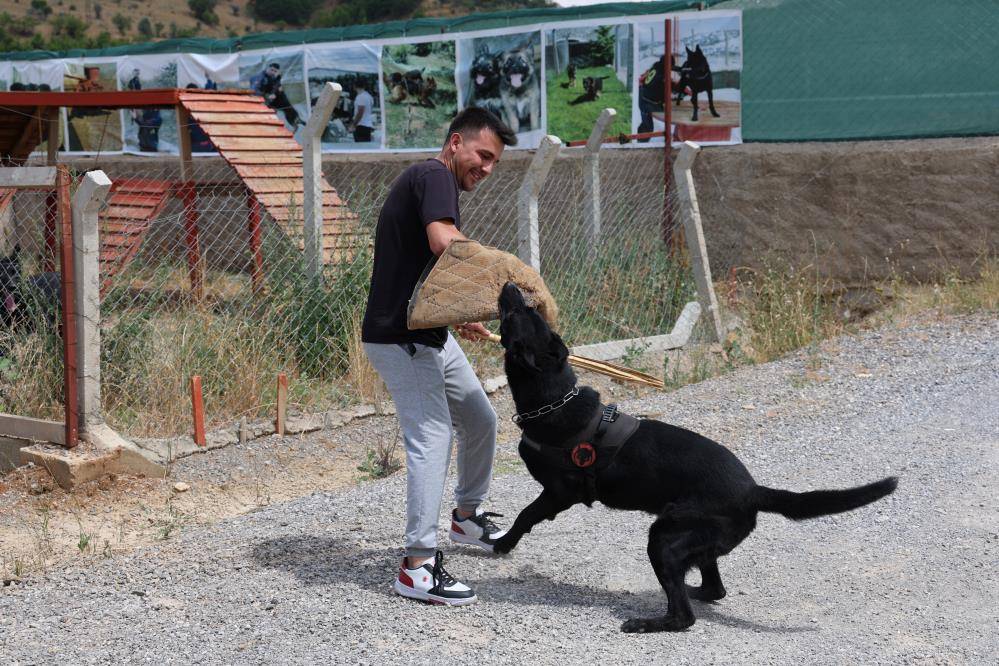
<point x="172" y="522"/>
<point x="380" y="460"/>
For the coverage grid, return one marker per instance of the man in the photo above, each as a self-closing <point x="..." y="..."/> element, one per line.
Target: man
<point x="267" y="84"/>
<point x="363" y="122"/>
<point x="651" y="91"/>
<point x="435" y="390"/>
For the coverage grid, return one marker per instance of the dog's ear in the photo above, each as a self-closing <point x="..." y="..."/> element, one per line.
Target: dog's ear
<point x="524" y="354"/>
<point x="689" y="52"/>
<point x="697" y="49"/>
<point x="558" y="348"/>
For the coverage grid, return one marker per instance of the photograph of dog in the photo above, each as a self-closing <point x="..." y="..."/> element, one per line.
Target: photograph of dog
<point x="703" y="499"/>
<point x="695" y="75"/>
<point x="502" y="74"/>
<point x="484" y="79"/>
<point x="592" y="87"/>
<point x="420" y="93"/>
<point x="598" y="59"/>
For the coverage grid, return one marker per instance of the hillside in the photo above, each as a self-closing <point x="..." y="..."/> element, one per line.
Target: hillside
<point x="64" y="24"/>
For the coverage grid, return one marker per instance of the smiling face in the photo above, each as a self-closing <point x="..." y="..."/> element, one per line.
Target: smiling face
<point x="473" y="156"/>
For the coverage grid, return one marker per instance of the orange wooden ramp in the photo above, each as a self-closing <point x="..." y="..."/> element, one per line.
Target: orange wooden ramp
<point x="132" y="205"/>
<point x="254" y="140"/>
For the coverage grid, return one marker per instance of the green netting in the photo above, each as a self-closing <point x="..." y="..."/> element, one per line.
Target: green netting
<point x="868" y="69"/>
<point x="813" y="70"/>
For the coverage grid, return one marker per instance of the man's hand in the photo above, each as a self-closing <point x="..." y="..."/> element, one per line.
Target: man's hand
<point x="473" y="331"/>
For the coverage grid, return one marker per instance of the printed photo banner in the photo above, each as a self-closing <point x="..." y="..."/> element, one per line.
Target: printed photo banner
<point x="400" y="94"/>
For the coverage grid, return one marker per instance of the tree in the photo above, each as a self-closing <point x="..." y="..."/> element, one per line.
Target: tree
<point x="40" y="8"/>
<point x="68" y="26"/>
<point x="145" y="27"/>
<point x="295" y="12"/>
<point x="602" y="48"/>
<point x="204" y="11"/>
<point x="122" y="23"/>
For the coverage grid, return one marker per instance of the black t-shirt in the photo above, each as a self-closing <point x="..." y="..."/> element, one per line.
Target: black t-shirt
<point x="423" y="193"/>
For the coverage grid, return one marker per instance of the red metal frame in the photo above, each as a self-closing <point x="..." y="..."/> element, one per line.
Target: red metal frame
<point x="109" y="99"/>
<point x="256" y="255"/>
<point x="667" y="228"/>
<point x="71" y="397"/>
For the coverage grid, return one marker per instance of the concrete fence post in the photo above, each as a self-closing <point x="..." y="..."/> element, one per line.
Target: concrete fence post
<point x="87" y="202"/>
<point x="312" y="172"/>
<point x="528" y="244"/>
<point x="691" y="215"/>
<point x="591" y="176"/>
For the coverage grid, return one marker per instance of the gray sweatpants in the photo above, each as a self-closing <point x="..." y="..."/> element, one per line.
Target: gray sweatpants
<point x="436" y="395"/>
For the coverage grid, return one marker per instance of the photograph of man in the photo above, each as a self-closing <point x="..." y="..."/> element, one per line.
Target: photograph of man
<point x="363" y="123"/>
<point x="267" y="84"/>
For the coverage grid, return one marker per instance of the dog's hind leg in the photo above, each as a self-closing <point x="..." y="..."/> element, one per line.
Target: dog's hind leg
<point x="545" y="507"/>
<point x="672" y="549"/>
<point x="693" y="100"/>
<point x="711" y="588"/>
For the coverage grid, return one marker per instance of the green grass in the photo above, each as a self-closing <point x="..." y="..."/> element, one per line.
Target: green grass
<point x="571" y="123"/>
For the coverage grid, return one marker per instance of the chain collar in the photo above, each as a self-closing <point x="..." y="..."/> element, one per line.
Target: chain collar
<point x="547" y="409"/>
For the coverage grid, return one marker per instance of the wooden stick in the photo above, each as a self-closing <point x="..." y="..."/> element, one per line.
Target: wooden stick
<point x="606" y="368"/>
<point x="282" y="403"/>
<point x="198" y="408"/>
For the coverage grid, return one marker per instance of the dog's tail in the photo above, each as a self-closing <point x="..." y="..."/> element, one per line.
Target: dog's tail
<point x="801" y="506"/>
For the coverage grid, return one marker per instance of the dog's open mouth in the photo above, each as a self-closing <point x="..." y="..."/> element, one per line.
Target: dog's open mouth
<point x="516" y="80"/>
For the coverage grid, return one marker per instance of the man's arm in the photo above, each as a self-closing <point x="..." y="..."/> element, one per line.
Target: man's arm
<point x="358" y="115"/>
<point x="440" y="234"/>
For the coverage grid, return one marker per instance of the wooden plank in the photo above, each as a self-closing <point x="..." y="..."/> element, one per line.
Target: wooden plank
<point x="119" y="227"/>
<point x="281" y="199"/>
<point x="227" y="96"/>
<point x="141" y="186"/>
<point x="268" y="171"/>
<point x="224" y="143"/>
<point x="37" y="177"/>
<point x="274" y="185"/>
<point x="223" y="129"/>
<point x="261" y="157"/>
<point x="110" y="241"/>
<point x="209" y="117"/>
<point x="138" y="199"/>
<point x="130" y="212"/>
<point x="226" y="106"/>
<point x="23" y="427"/>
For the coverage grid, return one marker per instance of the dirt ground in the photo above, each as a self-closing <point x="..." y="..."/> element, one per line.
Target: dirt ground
<point x="43" y="526"/>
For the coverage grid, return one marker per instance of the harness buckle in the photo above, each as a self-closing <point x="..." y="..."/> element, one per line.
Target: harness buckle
<point x="609" y="414"/>
<point x="583" y="455"/>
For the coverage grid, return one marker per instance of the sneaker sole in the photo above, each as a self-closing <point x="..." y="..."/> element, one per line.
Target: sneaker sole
<point x="410" y="593"/>
<point x="471" y="541"/>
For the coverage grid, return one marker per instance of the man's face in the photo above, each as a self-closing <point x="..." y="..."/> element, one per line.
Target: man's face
<point x="272" y="71"/>
<point x="475" y="155"/>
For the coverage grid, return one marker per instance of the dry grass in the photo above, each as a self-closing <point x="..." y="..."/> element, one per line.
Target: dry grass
<point x="361" y="375"/>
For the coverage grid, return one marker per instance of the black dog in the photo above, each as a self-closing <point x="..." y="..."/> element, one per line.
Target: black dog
<point x="704" y="499"/>
<point x="26" y="302"/>
<point x="571" y="73"/>
<point x="593" y="86"/>
<point x="485" y="78"/>
<point x="695" y="73"/>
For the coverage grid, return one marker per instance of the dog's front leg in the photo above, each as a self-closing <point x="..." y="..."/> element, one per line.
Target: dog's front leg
<point x="693" y="100"/>
<point x="545" y="507"/>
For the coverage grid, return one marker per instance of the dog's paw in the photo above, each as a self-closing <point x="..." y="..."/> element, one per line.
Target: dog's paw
<point x="504" y="545"/>
<point x="646" y="625"/>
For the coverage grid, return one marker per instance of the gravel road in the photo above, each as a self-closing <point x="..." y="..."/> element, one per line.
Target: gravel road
<point x="912" y="579"/>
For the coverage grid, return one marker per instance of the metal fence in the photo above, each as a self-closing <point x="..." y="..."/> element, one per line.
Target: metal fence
<point x="200" y="280"/>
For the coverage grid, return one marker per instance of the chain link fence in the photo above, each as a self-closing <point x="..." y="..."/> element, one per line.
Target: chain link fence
<point x="201" y="280"/>
<point x="31" y="347"/>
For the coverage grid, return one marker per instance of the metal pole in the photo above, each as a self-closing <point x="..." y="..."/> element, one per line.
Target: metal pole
<point x="667" y="229"/>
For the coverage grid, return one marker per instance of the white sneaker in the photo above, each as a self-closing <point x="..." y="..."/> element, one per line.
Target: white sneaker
<point x="477" y="530"/>
<point x="431" y="583"/>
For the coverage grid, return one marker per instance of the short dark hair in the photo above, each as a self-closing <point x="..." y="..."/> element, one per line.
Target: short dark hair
<point x="475" y="119"/>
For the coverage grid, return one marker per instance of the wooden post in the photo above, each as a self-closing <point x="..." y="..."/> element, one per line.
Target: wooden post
<point x="256" y="255"/>
<point x="54" y="115"/>
<point x="198" y="410"/>
<point x="282" y="403"/>
<point x="312" y="173"/>
<point x="68" y="306"/>
<point x="87" y="201"/>
<point x="591" y="176"/>
<point x="691" y="215"/>
<point x="190" y="198"/>
<point x="528" y="243"/>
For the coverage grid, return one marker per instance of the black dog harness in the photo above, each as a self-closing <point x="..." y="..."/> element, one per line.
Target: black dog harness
<point x="593" y="449"/>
